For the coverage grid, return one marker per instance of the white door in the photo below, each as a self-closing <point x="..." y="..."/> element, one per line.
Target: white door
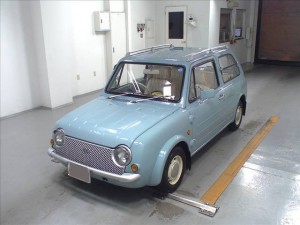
<point x="118" y="36"/>
<point x="176" y="25"/>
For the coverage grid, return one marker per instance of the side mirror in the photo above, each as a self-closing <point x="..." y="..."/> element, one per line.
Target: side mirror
<point x="208" y="93"/>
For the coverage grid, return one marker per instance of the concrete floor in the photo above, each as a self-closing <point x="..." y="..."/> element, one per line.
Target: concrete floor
<point x="35" y="190"/>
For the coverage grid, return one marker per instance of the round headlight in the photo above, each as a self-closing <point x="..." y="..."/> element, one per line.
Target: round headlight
<point x="59" y="137"/>
<point x="121" y="155"/>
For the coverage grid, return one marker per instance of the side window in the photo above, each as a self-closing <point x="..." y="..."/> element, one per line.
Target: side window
<point x="229" y="67"/>
<point x="203" y="77"/>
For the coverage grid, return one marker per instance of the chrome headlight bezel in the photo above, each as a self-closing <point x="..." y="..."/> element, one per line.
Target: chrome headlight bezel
<point x="122" y="155"/>
<point x="59" y="137"/>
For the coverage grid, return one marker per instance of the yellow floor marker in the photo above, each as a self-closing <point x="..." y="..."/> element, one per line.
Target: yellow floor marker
<point x="220" y="185"/>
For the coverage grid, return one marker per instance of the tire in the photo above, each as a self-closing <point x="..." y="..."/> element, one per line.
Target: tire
<point x="174" y="171"/>
<point x="237" y="118"/>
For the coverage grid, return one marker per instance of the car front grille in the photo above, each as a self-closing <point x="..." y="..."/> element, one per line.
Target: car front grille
<point x="89" y="154"/>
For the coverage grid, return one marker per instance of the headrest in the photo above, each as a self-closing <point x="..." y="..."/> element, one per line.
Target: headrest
<point x="151" y="71"/>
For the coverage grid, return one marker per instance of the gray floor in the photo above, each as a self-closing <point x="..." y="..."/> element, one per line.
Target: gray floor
<point x="35" y="190"/>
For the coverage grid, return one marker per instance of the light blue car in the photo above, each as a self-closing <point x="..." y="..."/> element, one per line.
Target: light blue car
<point x="159" y="108"/>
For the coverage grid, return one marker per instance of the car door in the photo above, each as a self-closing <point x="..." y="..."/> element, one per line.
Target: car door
<point x="231" y="84"/>
<point x="206" y="113"/>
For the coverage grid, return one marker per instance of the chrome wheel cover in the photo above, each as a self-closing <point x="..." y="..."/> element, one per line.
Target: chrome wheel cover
<point x="175" y="170"/>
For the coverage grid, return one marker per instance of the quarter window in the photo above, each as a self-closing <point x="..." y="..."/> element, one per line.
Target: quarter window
<point x="203" y="77"/>
<point x="229" y="67"/>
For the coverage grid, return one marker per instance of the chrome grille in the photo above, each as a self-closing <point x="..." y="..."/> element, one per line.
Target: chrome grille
<point x="89" y="154"/>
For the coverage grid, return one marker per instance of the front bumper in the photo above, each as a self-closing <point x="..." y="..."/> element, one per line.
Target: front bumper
<point x="125" y="177"/>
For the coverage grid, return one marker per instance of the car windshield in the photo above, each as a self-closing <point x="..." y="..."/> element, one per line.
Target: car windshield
<point x="151" y="81"/>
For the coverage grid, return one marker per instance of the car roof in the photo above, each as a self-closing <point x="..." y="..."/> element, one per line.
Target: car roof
<point x="170" y="54"/>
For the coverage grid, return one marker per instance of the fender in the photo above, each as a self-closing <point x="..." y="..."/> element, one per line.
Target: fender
<point x="161" y="159"/>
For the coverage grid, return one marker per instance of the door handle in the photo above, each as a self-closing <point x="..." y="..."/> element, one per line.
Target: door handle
<point x="221" y="96"/>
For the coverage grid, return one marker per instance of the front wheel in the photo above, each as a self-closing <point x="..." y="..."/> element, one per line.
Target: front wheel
<point x="238" y="118"/>
<point x="173" y="171"/>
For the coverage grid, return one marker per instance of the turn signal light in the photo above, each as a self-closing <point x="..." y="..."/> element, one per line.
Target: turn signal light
<point x="51" y="142"/>
<point x="134" y="168"/>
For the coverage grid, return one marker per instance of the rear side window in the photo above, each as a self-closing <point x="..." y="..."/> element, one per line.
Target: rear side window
<point x="229" y="67"/>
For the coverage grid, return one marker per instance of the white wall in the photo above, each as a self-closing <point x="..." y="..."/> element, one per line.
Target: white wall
<point x="241" y="47"/>
<point x="196" y="37"/>
<point x="206" y="34"/>
<point x="73" y="49"/>
<point x="19" y="76"/>
<point x="138" y="12"/>
<point x="56" y="20"/>
<point x="116" y="6"/>
<point x="214" y="19"/>
<point x="41" y="64"/>
<point x="89" y="48"/>
<point x="46" y="44"/>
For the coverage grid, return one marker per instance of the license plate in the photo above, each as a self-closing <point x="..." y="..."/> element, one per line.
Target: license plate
<point x="79" y="172"/>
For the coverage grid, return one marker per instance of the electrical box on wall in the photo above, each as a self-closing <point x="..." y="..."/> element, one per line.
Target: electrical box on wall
<point x="102" y="21"/>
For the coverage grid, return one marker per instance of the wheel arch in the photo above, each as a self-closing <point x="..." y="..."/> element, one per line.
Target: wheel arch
<point x="244" y="102"/>
<point x="159" y="165"/>
<point x="187" y="152"/>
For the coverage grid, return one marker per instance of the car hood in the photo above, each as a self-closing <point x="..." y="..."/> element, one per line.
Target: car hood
<point x="110" y="122"/>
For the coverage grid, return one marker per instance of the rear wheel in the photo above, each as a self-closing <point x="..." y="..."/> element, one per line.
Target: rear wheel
<point x="238" y="118"/>
<point x="173" y="171"/>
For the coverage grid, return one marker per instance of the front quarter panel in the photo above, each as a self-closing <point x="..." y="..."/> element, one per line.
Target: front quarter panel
<point x="151" y="149"/>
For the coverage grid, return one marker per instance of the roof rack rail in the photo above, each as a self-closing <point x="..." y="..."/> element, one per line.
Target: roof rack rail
<point x="152" y="49"/>
<point x="218" y="48"/>
<point x="208" y="50"/>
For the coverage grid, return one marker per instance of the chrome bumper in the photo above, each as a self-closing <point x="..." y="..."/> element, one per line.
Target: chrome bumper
<point x="126" y="177"/>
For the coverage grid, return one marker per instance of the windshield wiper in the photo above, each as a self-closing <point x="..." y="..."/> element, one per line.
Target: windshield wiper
<point x="125" y="93"/>
<point x="164" y="97"/>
